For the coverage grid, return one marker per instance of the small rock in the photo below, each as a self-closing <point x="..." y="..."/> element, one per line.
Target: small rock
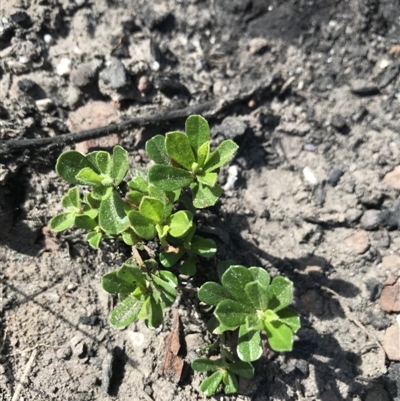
<point x="137" y="338"/>
<point x="63" y="68"/>
<point x="334" y="176"/>
<point x="380" y="239"/>
<point x="359" y="242"/>
<point x="232" y="128"/>
<point x="392" y="380"/>
<point x="391" y="343"/>
<point x="144" y="84"/>
<point x="393" y="178"/>
<point x="390" y="298"/>
<point x="258" y="45"/>
<point x="309" y="176"/>
<point x="89" y="320"/>
<point x="115" y="75"/>
<point x="78" y="346"/>
<point x="233" y="172"/>
<point x="25" y="85"/>
<point x="194" y="341"/>
<point x="171" y="87"/>
<point x="85" y="74"/>
<point x="391" y="263"/>
<point x="338" y="122"/>
<point x="353" y="215"/>
<point x="371" y="220"/>
<point x="313" y="302"/>
<point x="80" y="3"/>
<point x="44" y="104"/>
<point x="22" y="19"/>
<point x="64" y="353"/>
<point x="374" y="288"/>
<point x="359" y="115"/>
<point x="48" y="39"/>
<point x="378" y="318"/>
<point x="363" y="88"/>
<point x="391" y="219"/>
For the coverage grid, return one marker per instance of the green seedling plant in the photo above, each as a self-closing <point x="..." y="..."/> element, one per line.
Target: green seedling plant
<point x="158" y="205"/>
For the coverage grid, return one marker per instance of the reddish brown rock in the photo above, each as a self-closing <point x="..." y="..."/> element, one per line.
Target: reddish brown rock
<point x="390" y="297"/>
<point x="359" y="242"/>
<point x="391" y="343"/>
<point x="391" y="263"/>
<point x="393" y="178"/>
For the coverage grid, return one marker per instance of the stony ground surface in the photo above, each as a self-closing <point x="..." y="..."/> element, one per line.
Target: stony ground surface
<point x="317" y="195"/>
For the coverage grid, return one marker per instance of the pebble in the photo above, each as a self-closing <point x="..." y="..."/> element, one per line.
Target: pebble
<point x="85" y="73"/>
<point x="393" y="178"/>
<point x="378" y="393"/>
<point x="232" y="128"/>
<point x="353" y="215"/>
<point x="363" y="88"/>
<point x="359" y="242"/>
<point x="293" y="128"/>
<point x="338" y="122"/>
<point x="374" y="288"/>
<point x="48" y="39"/>
<point x="258" y="45"/>
<point x="63" y="68"/>
<point x="115" y="75"/>
<point x="380" y="239"/>
<point x="64" y="353"/>
<point x="359" y="115"/>
<point x="392" y="380"/>
<point x="378" y="318"/>
<point x="144" y="84"/>
<point x="391" y="263"/>
<point x="194" y="341"/>
<point x="44" y="104"/>
<point x="391" y="343"/>
<point x="22" y="19"/>
<point x="171" y="87"/>
<point x="80" y="3"/>
<point x="309" y="176"/>
<point x="392" y="218"/>
<point x="78" y="346"/>
<point x="334" y="176"/>
<point x="390" y="298"/>
<point x="233" y="172"/>
<point x="371" y="219"/>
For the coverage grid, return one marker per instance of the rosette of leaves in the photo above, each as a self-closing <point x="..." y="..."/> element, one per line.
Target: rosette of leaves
<point x="248" y="300"/>
<point x="185" y="159"/>
<point x="104" y="173"/>
<point x="143" y="292"/>
<point x="223" y="372"/>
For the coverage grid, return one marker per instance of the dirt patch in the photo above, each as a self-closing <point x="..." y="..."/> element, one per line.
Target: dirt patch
<point x="316" y="198"/>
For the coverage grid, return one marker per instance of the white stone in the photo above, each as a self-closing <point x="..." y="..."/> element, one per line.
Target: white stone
<point x="44" y="104"/>
<point x="309" y="176"/>
<point x="48" y="39"/>
<point x="64" y="67"/>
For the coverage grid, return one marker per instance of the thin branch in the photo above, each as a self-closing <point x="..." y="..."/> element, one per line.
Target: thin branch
<point x="209" y="108"/>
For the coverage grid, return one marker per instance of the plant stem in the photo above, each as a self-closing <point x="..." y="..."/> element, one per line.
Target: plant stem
<point x="136" y="255"/>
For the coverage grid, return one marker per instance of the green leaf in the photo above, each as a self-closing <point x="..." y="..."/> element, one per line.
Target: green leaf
<point x="114" y="284"/>
<point x="88" y="176"/>
<point x="92" y="202"/>
<point x="168" y="289"/>
<point x="103" y="162"/>
<point x="253" y="322"/>
<point x="169" y="178"/>
<point x="92" y="213"/>
<point x="221" y="155"/>
<point x="280" y="293"/>
<point x="179" y="149"/>
<point x="188" y="267"/>
<point x="257" y="294"/>
<point x="235" y="279"/>
<point x="208" y="179"/>
<point x="180" y="223"/>
<point x="169" y="259"/>
<point x="155" y="314"/>
<point x="124" y="314"/>
<point x="138" y="184"/>
<point x="223" y="266"/>
<point x="203" y="153"/>
<point x="222" y="328"/>
<point x="197" y="131"/>
<point x="155" y="147"/>
<point x="204" y="247"/>
<point x="280" y="336"/>
<point x="231" y="383"/>
<point x="112" y="216"/>
<point x="69" y="164"/>
<point x="62" y="221"/>
<point x="141" y="225"/>
<point x="135" y="197"/>
<point x="94" y="238"/>
<point x="290" y="318"/>
<point x="152" y="208"/>
<point x="210" y="385"/>
<point x="130" y="273"/>
<point x="249" y="346"/>
<point x="205" y="196"/>
<point x="243" y="369"/>
<point x="213" y="293"/>
<point x="101" y="192"/>
<point x="129" y="237"/>
<point x="168" y="277"/>
<point x="72" y="200"/>
<point x="231" y="313"/>
<point x="120" y="164"/>
<point x="260" y="275"/>
<point x="203" y="365"/>
<point x="85" y="222"/>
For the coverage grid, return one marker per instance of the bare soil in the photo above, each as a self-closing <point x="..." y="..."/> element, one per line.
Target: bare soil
<point x="316" y="200"/>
